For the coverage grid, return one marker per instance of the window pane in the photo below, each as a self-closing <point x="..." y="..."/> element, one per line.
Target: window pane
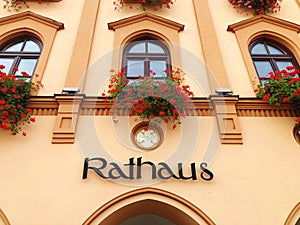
<point x="26" y="65"/>
<point x="31" y="46"/>
<point x="275" y="51"/>
<point x="158" y="66"/>
<point x="7" y="62"/>
<point x="263" y="68"/>
<point x="259" y="49"/>
<point x="283" y="64"/>
<point x="138" y="48"/>
<point x="153" y="48"/>
<point x="15" y="48"/>
<point x="135" y="68"/>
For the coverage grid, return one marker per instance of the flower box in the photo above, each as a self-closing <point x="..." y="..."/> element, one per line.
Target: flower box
<point x="282" y="87"/>
<point x="155" y="4"/>
<point x="14" y="101"/>
<point x="16" y="5"/>
<point x="162" y="99"/>
<point x="256" y="7"/>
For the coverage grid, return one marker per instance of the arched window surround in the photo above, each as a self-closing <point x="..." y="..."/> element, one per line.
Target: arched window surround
<point x="32" y="24"/>
<point x="147" y="57"/>
<point x="21" y="54"/>
<point x="279" y="30"/>
<point x="272" y="58"/>
<point x="146" y="24"/>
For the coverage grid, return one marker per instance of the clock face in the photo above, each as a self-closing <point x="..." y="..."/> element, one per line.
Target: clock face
<point x="147" y="138"/>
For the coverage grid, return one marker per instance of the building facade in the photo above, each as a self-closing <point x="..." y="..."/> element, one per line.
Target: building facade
<point x="234" y="158"/>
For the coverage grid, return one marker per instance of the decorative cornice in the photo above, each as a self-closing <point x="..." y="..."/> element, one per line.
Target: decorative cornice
<point x="145" y="16"/>
<point x="254" y="107"/>
<point x="30" y="15"/>
<point x="98" y="106"/>
<point x="263" y="18"/>
<point x="43" y="106"/>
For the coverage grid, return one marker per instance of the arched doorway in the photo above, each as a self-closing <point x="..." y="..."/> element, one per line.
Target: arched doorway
<point x="154" y="204"/>
<point x="147" y="219"/>
<point x="294" y="216"/>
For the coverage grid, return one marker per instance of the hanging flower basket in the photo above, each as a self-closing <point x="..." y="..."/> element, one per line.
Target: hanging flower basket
<point x="15" y="5"/>
<point x="282" y="87"/>
<point x="155" y="4"/>
<point x="256" y="7"/>
<point x="14" y="101"/>
<point x="165" y="99"/>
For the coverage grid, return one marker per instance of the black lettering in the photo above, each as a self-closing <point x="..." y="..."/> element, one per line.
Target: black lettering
<point x="139" y="168"/>
<point x="209" y="175"/>
<point x="164" y="168"/>
<point x="95" y="169"/>
<point x="180" y="172"/>
<point x="131" y="168"/>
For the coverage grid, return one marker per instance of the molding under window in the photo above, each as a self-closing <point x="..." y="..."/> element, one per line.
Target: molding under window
<point x="98" y="106"/>
<point x="67" y="108"/>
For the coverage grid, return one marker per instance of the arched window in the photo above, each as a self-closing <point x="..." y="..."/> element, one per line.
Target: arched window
<point x="146" y="55"/>
<point x="269" y="56"/>
<point x="22" y="53"/>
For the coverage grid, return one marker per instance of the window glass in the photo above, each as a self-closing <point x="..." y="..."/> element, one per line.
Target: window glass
<point x="263" y="68"/>
<point x="15" y="47"/>
<point x="275" y="51"/>
<point x="153" y="48"/>
<point x="22" y="53"/>
<point x="274" y="58"/>
<point x="259" y="49"/>
<point x="158" y="66"/>
<point x="146" y="55"/>
<point x="7" y="62"/>
<point x="31" y="46"/>
<point x="138" y="48"/>
<point x="283" y="64"/>
<point x="27" y="65"/>
<point x="135" y="68"/>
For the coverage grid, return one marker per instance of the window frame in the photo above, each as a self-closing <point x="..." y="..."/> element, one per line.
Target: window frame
<point x="269" y="57"/>
<point x="247" y="30"/>
<point x="146" y="57"/>
<point x="19" y="55"/>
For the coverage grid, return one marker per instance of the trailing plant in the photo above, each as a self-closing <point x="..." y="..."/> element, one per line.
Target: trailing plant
<point x="14" y="101"/>
<point x="15" y="5"/>
<point x="155" y="4"/>
<point x="256" y="7"/>
<point x="150" y="97"/>
<point x="282" y="87"/>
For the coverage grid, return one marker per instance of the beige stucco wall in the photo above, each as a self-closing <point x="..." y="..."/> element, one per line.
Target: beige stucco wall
<point x="255" y="183"/>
